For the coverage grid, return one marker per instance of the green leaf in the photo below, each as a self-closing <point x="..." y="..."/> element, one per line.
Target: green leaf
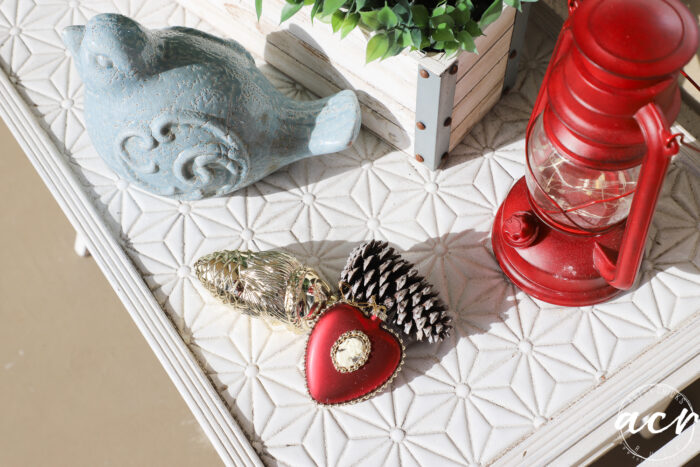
<point x="443" y="35"/>
<point x="459" y="17"/>
<point x="392" y="44"/>
<point x="369" y="18"/>
<point x="314" y="9"/>
<point x="473" y="29"/>
<point x="466" y="41"/>
<point x="491" y="14"/>
<point x="451" y="48"/>
<point x="463" y="6"/>
<point x="461" y="14"/>
<point x="377" y="47"/>
<point x="393" y="50"/>
<point x="420" y="15"/>
<point x="289" y="10"/>
<point x="359" y="5"/>
<point x="438" y="11"/>
<point x="387" y="18"/>
<point x="324" y="18"/>
<point x="416" y="37"/>
<point x="349" y="24"/>
<point x="402" y="11"/>
<point x="442" y="21"/>
<point x="331" y="6"/>
<point x="513" y="3"/>
<point x="258" y="8"/>
<point x="337" y="20"/>
<point x="406" y="40"/>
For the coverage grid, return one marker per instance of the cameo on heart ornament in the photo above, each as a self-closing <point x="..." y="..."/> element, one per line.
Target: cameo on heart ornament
<point x="355" y="346"/>
<point x="350" y="351"/>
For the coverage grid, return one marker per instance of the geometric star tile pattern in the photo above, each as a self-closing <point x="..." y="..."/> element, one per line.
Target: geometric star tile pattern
<point x="511" y="364"/>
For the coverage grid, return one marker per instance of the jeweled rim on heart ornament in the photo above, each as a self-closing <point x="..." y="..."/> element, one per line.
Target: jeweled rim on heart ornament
<point x="354" y="348"/>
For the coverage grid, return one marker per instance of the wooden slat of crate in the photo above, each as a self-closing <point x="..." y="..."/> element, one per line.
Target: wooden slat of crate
<point x="465" y="107"/>
<point x="481" y="68"/>
<point x="477" y="114"/>
<point x="389" y="129"/>
<point x="348" y="53"/>
<point x="493" y="32"/>
<point x="379" y="98"/>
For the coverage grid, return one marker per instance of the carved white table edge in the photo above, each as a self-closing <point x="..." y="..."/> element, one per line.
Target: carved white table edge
<point x="585" y="430"/>
<point x="206" y="405"/>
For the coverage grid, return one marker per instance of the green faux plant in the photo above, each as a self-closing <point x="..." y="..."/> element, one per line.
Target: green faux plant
<point x="428" y="25"/>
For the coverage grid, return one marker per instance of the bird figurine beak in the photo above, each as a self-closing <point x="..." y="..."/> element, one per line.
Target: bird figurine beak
<point x="73" y="37"/>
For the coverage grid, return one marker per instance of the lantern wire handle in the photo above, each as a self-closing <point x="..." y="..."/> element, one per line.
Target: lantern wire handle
<point x="678" y="138"/>
<point x="690" y="80"/>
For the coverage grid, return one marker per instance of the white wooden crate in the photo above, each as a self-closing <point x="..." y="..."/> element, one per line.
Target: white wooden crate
<point x="394" y="97"/>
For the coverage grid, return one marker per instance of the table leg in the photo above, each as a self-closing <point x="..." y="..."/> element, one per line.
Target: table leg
<point x="80" y="247"/>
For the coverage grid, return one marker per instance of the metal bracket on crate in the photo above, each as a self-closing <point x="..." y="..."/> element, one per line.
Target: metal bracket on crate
<point x="434" y="122"/>
<point x="516" y="46"/>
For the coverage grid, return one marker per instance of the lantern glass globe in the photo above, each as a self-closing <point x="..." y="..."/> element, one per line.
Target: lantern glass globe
<point x="572" y="195"/>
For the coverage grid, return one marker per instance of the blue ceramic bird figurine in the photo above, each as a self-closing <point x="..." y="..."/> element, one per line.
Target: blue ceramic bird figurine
<point x="188" y="115"/>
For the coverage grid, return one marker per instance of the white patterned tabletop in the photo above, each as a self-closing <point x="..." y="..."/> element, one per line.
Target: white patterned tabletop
<point x="513" y="364"/>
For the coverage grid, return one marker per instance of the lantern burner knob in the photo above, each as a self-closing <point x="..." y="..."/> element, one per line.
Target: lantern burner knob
<point x="521" y="229"/>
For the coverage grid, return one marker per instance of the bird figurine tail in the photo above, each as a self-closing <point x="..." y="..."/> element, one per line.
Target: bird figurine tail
<point x="337" y="125"/>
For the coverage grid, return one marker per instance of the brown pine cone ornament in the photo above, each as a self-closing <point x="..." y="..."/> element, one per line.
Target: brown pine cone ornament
<point x="376" y="273"/>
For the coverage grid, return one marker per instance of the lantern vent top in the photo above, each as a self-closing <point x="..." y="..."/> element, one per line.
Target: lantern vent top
<point x="636" y="38"/>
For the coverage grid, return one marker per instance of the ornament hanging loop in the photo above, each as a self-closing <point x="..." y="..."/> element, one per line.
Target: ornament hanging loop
<point x="573" y="5"/>
<point x="371" y="307"/>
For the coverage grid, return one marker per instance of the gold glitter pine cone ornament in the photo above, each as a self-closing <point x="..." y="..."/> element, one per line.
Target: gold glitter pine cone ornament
<point x="266" y="284"/>
<point x="352" y="351"/>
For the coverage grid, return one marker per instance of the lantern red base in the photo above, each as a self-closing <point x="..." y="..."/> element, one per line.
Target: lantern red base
<point x="546" y="263"/>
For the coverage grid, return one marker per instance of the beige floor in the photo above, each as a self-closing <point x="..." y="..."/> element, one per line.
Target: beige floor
<point x="78" y="384"/>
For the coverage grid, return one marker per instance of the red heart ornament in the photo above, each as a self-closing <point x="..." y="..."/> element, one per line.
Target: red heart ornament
<point x="329" y="384"/>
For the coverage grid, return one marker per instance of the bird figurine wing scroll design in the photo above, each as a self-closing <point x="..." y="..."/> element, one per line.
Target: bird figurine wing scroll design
<point x="188" y="115"/>
<point x="209" y="159"/>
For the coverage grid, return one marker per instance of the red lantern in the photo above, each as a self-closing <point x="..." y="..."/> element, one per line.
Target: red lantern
<point x="572" y="231"/>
